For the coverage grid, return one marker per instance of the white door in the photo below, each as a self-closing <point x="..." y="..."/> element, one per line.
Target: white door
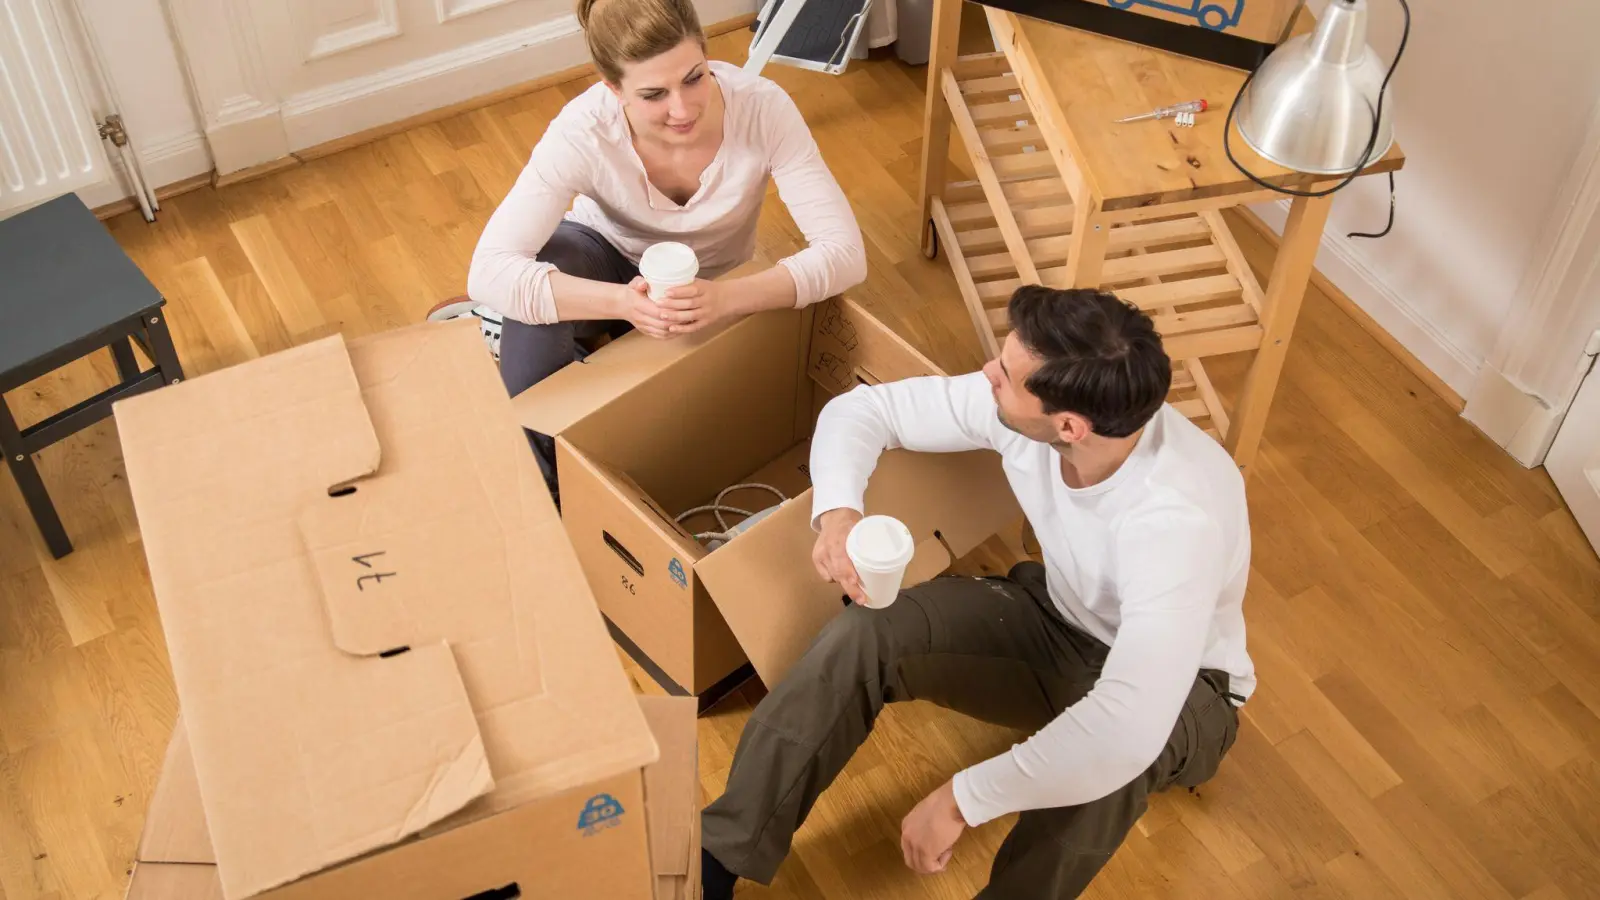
<point x="1574" y="460"/>
<point x="49" y="140"/>
<point x="279" y="76"/>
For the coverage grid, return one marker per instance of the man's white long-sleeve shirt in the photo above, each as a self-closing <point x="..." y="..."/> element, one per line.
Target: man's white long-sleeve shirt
<point x="1152" y="562"/>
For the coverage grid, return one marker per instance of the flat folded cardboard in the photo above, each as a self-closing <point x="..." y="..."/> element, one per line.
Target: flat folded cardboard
<point x="649" y="429"/>
<point x="175" y="860"/>
<point x="394" y="678"/>
<point x="672" y="796"/>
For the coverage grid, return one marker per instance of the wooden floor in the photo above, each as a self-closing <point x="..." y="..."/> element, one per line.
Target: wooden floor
<point x="1423" y="611"/>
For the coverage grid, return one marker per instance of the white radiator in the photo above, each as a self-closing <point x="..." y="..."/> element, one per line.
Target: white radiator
<point x="49" y="139"/>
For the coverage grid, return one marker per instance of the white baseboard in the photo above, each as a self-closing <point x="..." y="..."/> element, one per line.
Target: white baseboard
<point x="1510" y="416"/>
<point x="420" y="86"/>
<point x="167" y="161"/>
<point x="1339" y="262"/>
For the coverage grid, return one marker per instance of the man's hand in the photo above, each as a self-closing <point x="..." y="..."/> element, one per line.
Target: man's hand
<point x="829" y="555"/>
<point x="690" y="307"/>
<point x="636" y="307"/>
<point x="929" y="832"/>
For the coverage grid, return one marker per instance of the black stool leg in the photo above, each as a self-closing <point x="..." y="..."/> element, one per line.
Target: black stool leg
<point x="33" y="492"/>
<point x="161" y="349"/>
<point x="127" y="365"/>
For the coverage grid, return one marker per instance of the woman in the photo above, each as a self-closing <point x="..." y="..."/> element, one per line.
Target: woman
<point x="668" y="147"/>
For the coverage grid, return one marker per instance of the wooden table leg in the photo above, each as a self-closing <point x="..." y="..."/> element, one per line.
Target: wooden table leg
<point x="1291" y="273"/>
<point x="1086" y="255"/>
<point x="32" y="486"/>
<point x="946" y="41"/>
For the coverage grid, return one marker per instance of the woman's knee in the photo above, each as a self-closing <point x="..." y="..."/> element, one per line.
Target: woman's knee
<point x="580" y="253"/>
<point x="531" y="353"/>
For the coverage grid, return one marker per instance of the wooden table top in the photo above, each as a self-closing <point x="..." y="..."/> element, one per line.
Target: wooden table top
<point x="1098" y="79"/>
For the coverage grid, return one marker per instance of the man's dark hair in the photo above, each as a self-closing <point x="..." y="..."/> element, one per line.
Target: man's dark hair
<point x="1102" y="356"/>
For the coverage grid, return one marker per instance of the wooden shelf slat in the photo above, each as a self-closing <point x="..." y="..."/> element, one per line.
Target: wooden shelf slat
<point x="1213" y="343"/>
<point x="1167" y="262"/>
<point x="1182" y="293"/>
<point x="969" y="294"/>
<point x="993" y="84"/>
<point x="1052" y="250"/>
<point x="1223" y="235"/>
<point x="992" y="189"/>
<point x="1180" y="323"/>
<point x="965" y="201"/>
<point x="1008" y="111"/>
<point x="1208" y="393"/>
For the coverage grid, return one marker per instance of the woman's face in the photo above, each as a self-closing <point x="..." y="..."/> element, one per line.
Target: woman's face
<point x="667" y="96"/>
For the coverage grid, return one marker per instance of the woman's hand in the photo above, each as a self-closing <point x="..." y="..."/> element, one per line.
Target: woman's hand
<point x="688" y="308"/>
<point x="637" y="308"/>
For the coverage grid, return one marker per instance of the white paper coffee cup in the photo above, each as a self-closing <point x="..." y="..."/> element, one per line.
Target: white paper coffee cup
<point x="880" y="547"/>
<point x="667" y="265"/>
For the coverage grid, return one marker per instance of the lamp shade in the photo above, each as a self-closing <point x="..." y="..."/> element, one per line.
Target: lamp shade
<point x="1310" y="106"/>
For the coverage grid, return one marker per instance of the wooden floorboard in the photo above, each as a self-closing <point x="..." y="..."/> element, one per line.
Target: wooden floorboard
<point x="1423" y="610"/>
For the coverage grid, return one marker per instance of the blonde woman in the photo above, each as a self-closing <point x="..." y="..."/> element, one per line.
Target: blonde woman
<point x="669" y="146"/>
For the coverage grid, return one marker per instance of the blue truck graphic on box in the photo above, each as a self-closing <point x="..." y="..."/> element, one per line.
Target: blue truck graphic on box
<point x="1212" y="14"/>
<point x="602" y="811"/>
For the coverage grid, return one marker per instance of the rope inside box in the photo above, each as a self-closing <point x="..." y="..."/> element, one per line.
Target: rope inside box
<point x="717" y="507"/>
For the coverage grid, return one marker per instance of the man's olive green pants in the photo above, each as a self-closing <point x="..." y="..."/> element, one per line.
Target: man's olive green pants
<point x="996" y="649"/>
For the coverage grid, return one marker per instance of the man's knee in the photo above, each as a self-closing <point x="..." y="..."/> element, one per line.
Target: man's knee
<point x="856" y="633"/>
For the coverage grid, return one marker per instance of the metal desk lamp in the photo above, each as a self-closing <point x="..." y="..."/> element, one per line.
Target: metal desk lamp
<point x="1316" y="105"/>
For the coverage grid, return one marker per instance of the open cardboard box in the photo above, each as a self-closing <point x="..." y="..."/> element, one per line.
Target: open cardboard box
<point x="394" y="678"/>
<point x="648" y="429"/>
<point x="175" y="860"/>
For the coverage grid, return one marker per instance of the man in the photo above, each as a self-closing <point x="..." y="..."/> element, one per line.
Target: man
<point x="1124" y="653"/>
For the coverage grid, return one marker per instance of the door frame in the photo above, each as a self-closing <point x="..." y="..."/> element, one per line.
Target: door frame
<point x="1529" y="380"/>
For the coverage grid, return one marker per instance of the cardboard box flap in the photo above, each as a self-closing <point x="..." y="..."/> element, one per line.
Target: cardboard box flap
<point x="672" y="783"/>
<point x="175" y="824"/>
<point x="953" y="499"/>
<point x="305" y="755"/>
<point x="572" y="393"/>
<point x="850" y="347"/>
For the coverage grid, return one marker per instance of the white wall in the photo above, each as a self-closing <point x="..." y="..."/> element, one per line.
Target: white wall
<point x="273" y="77"/>
<point x="1492" y="104"/>
<point x="142" y="63"/>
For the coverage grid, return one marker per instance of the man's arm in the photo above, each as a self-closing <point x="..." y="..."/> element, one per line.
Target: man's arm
<point x="1170" y="571"/>
<point x="931" y="414"/>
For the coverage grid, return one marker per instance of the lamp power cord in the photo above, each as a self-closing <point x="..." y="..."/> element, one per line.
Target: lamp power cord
<point x="1366" y="156"/>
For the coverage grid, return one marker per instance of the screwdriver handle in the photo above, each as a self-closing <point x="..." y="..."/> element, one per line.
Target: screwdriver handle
<point x="1190" y="106"/>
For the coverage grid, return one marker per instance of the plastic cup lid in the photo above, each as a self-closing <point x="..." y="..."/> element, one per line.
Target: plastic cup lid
<point x="668" y="260"/>
<point x="880" y="542"/>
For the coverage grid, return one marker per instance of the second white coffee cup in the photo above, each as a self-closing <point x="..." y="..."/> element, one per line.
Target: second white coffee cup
<point x="667" y="265"/>
<point x="880" y="547"/>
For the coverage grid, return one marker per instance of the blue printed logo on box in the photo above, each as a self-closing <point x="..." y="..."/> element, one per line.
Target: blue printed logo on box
<point x="601" y="812"/>
<point x="1216" y="15"/>
<point x="675" y="569"/>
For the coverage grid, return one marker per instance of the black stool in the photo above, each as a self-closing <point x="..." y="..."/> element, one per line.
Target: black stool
<point x="67" y="290"/>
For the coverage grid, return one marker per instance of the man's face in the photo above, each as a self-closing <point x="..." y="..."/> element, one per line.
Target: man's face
<point x="1019" y="409"/>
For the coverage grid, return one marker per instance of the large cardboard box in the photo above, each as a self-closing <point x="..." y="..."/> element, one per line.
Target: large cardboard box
<point x="1237" y="33"/>
<point x="175" y="860"/>
<point x="394" y="678"/>
<point x="1267" y="21"/>
<point x="649" y="429"/>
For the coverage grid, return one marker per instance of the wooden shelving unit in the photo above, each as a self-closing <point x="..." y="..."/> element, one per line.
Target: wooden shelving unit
<point x="1063" y="197"/>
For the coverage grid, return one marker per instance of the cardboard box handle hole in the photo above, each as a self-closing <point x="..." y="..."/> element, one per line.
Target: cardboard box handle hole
<point x="509" y="892"/>
<point x="621" y="551"/>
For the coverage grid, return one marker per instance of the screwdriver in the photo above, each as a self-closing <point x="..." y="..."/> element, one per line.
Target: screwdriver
<point x="1192" y="106"/>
